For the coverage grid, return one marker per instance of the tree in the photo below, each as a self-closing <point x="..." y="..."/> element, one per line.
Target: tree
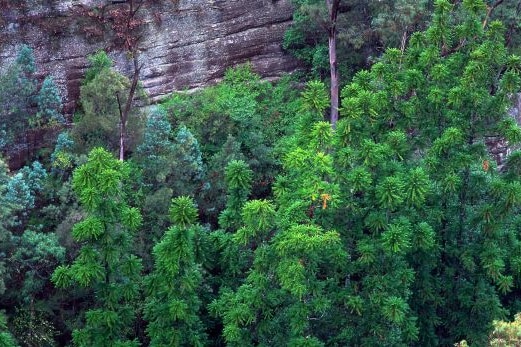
<point x="104" y="264"/>
<point x="49" y="103"/>
<point x="99" y="124"/>
<point x="172" y="305"/>
<point x="238" y="180"/>
<point x="506" y="333"/>
<point x="6" y="339"/>
<point x="154" y="153"/>
<point x="17" y="88"/>
<point x="188" y="170"/>
<point x="333" y="7"/>
<point x="122" y="20"/>
<point x="285" y="294"/>
<point x="7" y="209"/>
<point x="32" y="261"/>
<point x="426" y="217"/>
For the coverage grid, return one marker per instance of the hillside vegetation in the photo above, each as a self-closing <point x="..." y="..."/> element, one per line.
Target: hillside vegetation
<point x="249" y="214"/>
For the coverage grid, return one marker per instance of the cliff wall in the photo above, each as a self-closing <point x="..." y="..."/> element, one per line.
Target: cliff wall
<point x="184" y="44"/>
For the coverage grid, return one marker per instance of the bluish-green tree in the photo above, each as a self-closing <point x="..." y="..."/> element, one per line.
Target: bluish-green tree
<point x="49" y="103"/>
<point x="17" y="89"/>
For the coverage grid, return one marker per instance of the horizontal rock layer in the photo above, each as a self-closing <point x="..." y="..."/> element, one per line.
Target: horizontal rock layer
<point x="185" y="44"/>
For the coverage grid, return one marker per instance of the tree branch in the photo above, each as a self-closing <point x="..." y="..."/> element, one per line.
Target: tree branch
<point x="491" y="9"/>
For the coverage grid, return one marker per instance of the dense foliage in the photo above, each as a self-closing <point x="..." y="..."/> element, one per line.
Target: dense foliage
<point x="241" y="217"/>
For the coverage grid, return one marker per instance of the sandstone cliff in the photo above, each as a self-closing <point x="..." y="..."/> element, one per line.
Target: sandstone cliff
<point x="185" y="44"/>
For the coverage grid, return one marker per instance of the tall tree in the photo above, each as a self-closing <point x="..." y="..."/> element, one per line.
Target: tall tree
<point x="17" y="89"/>
<point x="333" y="7"/>
<point x="172" y="305"/>
<point x="99" y="123"/>
<point x="105" y="263"/>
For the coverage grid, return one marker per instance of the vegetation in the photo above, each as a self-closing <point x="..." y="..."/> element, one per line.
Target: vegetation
<point x="245" y="214"/>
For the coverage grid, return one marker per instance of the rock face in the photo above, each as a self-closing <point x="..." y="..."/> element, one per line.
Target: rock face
<point x="185" y="44"/>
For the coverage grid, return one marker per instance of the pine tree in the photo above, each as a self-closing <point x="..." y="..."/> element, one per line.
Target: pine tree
<point x="104" y="264"/>
<point x="238" y="180"/>
<point x="172" y="305"/>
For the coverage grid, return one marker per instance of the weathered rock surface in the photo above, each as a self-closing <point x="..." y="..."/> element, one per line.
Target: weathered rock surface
<point x="186" y="44"/>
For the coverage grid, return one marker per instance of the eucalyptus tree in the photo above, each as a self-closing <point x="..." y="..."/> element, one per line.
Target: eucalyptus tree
<point x="17" y="89"/>
<point x="99" y="122"/>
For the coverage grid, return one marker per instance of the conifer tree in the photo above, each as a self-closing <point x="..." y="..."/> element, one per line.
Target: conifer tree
<point x="154" y="153"/>
<point x="7" y="208"/>
<point x="426" y="217"/>
<point x="172" y="305"/>
<point x="238" y="180"/>
<point x="6" y="339"/>
<point x="62" y="158"/>
<point x="104" y="264"/>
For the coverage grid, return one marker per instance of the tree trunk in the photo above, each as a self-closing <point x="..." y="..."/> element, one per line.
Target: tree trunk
<point x="332" y="6"/>
<point x="123" y="114"/>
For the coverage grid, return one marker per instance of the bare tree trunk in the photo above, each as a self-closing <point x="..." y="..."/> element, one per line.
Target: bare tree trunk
<point x="123" y="114"/>
<point x="332" y="6"/>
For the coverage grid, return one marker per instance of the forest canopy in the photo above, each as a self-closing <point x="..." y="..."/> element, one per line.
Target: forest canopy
<point x="247" y="214"/>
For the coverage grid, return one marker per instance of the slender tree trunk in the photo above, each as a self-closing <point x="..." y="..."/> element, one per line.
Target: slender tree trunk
<point x="332" y="6"/>
<point x="131" y="43"/>
<point x="124" y="113"/>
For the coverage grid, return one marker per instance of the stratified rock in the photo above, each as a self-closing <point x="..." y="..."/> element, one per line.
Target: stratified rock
<point x="186" y="44"/>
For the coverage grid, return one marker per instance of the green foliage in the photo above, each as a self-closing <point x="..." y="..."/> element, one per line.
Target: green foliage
<point x="98" y="123"/>
<point x="506" y="333"/>
<point x="35" y="257"/>
<point x="62" y="158"/>
<point x="154" y="153"/>
<point x="104" y="263"/>
<point x="99" y="62"/>
<point x="396" y="228"/>
<point x="183" y="211"/>
<point x="315" y="97"/>
<point x="6" y="339"/>
<point x="17" y="89"/>
<point x="238" y="180"/>
<point x="33" y="329"/>
<point x="49" y="103"/>
<point x="187" y="172"/>
<point x="364" y="27"/>
<point x="406" y="178"/>
<point x="241" y="118"/>
<point x="25" y="59"/>
<point x="172" y="304"/>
